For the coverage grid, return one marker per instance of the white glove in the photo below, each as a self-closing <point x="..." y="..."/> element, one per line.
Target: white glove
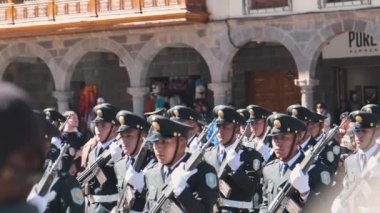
<point x="265" y="151"/>
<point x="135" y="179"/>
<point x="194" y="146"/>
<point x="337" y="207"/>
<point x="116" y="152"/>
<point x="40" y="202"/>
<point x="179" y="178"/>
<point x="233" y="159"/>
<point x="299" y="180"/>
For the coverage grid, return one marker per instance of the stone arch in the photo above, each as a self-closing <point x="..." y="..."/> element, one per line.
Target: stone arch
<point x="22" y="49"/>
<point x="240" y="37"/>
<point x="159" y="42"/>
<point x="329" y="32"/>
<point x="76" y="52"/>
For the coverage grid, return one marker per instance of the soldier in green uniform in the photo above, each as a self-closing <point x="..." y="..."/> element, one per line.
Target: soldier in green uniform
<point x="366" y="131"/>
<point x="287" y="134"/>
<point x="65" y="194"/>
<point x="328" y="157"/>
<point x="133" y="129"/>
<point x="21" y="153"/>
<point x="194" y="191"/>
<point x="259" y="126"/>
<point x="101" y="191"/>
<point x="189" y="117"/>
<point x="240" y="183"/>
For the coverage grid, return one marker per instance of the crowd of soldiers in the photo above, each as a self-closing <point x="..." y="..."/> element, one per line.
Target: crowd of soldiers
<point x="244" y="160"/>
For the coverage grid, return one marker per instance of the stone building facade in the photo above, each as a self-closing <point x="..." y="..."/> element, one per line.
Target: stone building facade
<point x="222" y="52"/>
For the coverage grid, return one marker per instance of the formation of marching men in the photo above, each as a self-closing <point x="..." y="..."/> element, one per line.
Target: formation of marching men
<point x="170" y="161"/>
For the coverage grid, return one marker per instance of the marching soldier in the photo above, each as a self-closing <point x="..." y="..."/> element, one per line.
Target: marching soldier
<point x="133" y="129"/>
<point x="366" y="131"/>
<point x="328" y="157"/>
<point x="65" y="194"/>
<point x="189" y="117"/>
<point x="331" y="153"/>
<point x="194" y="191"/>
<point x="287" y="134"/>
<point x="240" y="182"/>
<point x="101" y="191"/>
<point x="56" y="119"/>
<point x="258" y="126"/>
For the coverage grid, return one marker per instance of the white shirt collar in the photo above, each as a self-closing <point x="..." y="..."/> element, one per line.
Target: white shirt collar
<point x="369" y="153"/>
<point x="176" y="163"/>
<point x="191" y="139"/>
<point x="293" y="160"/>
<point x="305" y="142"/>
<point x="106" y="144"/>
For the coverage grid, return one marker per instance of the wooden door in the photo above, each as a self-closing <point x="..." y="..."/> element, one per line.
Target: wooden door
<point x="272" y="90"/>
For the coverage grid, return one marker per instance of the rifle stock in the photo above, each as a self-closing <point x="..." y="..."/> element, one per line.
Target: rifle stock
<point x="44" y="184"/>
<point x="281" y="200"/>
<point x="190" y="164"/>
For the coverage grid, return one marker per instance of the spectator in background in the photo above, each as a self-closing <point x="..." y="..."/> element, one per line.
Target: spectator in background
<point x="322" y="109"/>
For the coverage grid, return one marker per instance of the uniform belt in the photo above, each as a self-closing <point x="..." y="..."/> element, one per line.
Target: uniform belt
<point x="103" y="198"/>
<point x="235" y="204"/>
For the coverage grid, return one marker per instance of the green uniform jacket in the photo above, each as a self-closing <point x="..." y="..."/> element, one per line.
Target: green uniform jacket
<point x="69" y="196"/>
<point x="319" y="181"/>
<point x="245" y="181"/>
<point x="199" y="196"/>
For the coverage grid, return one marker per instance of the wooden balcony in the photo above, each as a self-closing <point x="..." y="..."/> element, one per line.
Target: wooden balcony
<point x="23" y="18"/>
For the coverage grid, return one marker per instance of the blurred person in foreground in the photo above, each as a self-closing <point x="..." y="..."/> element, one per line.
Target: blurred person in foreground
<point x="21" y="153"/>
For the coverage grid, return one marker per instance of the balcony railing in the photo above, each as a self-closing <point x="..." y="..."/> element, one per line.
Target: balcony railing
<point x="12" y="12"/>
<point x="267" y="6"/>
<point x="342" y="3"/>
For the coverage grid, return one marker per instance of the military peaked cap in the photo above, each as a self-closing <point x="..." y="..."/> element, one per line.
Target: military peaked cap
<point x="53" y="115"/>
<point x="129" y="119"/>
<point x="163" y="127"/>
<point x="105" y="112"/>
<point x="226" y="114"/>
<point x="244" y="113"/>
<point x="371" y="108"/>
<point x="181" y="113"/>
<point x="282" y="123"/>
<point x="257" y="112"/>
<point x="302" y="113"/>
<point x="364" y="120"/>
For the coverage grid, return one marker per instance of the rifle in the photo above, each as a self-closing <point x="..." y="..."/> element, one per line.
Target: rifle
<point x="92" y="170"/>
<point x="282" y="201"/>
<point x="194" y="160"/>
<point x="225" y="189"/>
<point x="127" y="198"/>
<point x="360" y="185"/>
<point x="45" y="182"/>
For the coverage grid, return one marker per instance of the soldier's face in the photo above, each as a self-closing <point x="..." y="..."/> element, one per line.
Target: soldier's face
<point x="129" y="140"/>
<point x="102" y="129"/>
<point x="258" y="127"/>
<point x="282" y="145"/>
<point x="365" y="138"/>
<point x="226" y="132"/>
<point x="314" y="129"/>
<point x="165" y="149"/>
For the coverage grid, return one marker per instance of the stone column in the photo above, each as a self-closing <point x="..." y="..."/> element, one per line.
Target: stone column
<point x="307" y="91"/>
<point x="220" y="92"/>
<point x="63" y="97"/>
<point x="138" y="100"/>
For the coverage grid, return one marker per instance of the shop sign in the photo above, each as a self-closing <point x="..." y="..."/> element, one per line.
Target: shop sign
<point x="351" y="44"/>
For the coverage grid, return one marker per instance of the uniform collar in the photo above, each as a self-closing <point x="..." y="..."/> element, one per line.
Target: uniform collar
<point x="303" y="145"/>
<point x="369" y="153"/>
<point x="293" y="160"/>
<point x="106" y="144"/>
